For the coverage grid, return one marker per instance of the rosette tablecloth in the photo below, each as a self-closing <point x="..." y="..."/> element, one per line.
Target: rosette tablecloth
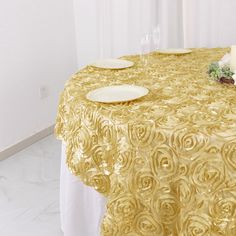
<point x="166" y="162"/>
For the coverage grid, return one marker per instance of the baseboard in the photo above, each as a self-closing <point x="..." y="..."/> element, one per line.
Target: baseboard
<point x="26" y="143"/>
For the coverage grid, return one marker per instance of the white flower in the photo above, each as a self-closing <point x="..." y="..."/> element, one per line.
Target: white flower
<point x="234" y="77"/>
<point x="225" y="60"/>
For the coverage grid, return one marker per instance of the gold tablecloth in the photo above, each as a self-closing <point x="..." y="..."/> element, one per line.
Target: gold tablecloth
<point x="165" y="162"/>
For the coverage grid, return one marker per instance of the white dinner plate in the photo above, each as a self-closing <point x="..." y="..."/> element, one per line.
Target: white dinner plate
<point x="113" y="64"/>
<point x="117" y="93"/>
<point x="174" y="51"/>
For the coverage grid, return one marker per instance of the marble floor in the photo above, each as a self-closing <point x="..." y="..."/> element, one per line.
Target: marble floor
<point x="29" y="191"/>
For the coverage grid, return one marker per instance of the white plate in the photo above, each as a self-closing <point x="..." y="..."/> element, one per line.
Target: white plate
<point x="113" y="64"/>
<point x="117" y="93"/>
<point x="174" y="51"/>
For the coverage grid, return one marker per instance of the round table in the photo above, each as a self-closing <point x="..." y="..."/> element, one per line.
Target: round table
<point x="165" y="164"/>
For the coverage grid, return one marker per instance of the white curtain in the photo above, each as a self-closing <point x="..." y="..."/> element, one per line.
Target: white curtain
<point x="112" y="28"/>
<point x="209" y="23"/>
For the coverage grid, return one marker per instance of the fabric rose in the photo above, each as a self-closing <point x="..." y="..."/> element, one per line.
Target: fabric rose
<point x="85" y="141"/>
<point x="97" y="155"/>
<point x="160" y="137"/>
<point x="82" y="167"/>
<point x="124" y="162"/>
<point x="124" y="207"/>
<point x="144" y="183"/>
<point x="107" y="134"/>
<point x="189" y="143"/>
<point x="109" y="227"/>
<point x="197" y="225"/>
<point x="126" y="229"/>
<point x="207" y="174"/>
<point x="164" y="162"/>
<point x="166" y="207"/>
<point x="229" y="154"/>
<point x="147" y="225"/>
<point x="101" y="183"/>
<point x="184" y="190"/>
<point x="90" y="117"/>
<point x="141" y="134"/>
<point x="223" y="205"/>
<point x="102" y="159"/>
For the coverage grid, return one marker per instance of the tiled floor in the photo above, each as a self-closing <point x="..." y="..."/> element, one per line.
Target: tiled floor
<point x="29" y="191"/>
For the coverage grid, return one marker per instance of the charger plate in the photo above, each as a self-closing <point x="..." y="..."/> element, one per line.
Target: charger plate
<point x="113" y="64"/>
<point x="177" y="51"/>
<point x="117" y="93"/>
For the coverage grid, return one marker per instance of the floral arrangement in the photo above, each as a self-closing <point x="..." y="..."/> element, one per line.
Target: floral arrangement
<point x="220" y="71"/>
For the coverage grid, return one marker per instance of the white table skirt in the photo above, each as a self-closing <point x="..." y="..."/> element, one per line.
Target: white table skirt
<point x="81" y="207"/>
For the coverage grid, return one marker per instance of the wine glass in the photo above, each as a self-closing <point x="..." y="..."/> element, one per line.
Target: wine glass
<point x="145" y="44"/>
<point x="156" y="37"/>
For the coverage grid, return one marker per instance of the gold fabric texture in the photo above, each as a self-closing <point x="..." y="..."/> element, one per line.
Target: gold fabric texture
<point x="165" y="162"/>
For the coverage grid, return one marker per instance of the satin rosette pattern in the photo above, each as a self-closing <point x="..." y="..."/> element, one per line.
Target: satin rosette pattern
<point x="165" y="162"/>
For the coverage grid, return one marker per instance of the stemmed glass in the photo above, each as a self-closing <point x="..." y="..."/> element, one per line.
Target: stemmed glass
<point x="146" y="46"/>
<point x="156" y="37"/>
<point x="148" y="43"/>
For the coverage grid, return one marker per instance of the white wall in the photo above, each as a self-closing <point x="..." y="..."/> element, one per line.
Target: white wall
<point x="37" y="49"/>
<point x="209" y="23"/>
